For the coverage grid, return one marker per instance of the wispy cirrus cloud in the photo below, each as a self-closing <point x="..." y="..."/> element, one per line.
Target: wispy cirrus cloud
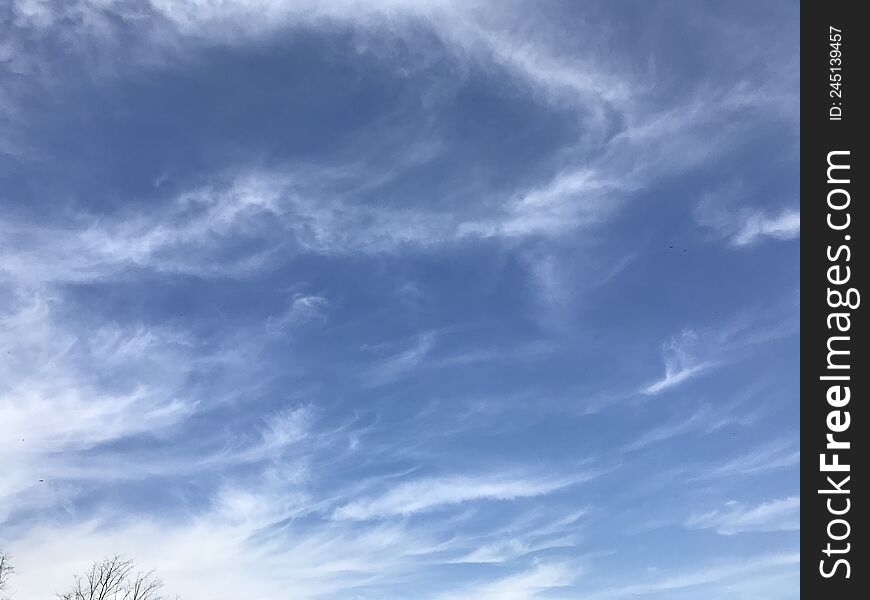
<point x="694" y="352"/>
<point x="423" y="495"/>
<point x="778" y="454"/>
<point x="70" y="388"/>
<point x="230" y="544"/>
<point x="685" y="356"/>
<point x="704" y="578"/>
<point x="257" y="210"/>
<point x="303" y="309"/>
<point x="400" y="364"/>
<point x="275" y="530"/>
<point x="76" y="393"/>
<point x="784" y="226"/>
<point x="728" y="213"/>
<point x="173" y="168"/>
<point x="700" y="419"/>
<point x="736" y="517"/>
<point x="538" y="581"/>
<point x="510" y="549"/>
<point x="751" y="226"/>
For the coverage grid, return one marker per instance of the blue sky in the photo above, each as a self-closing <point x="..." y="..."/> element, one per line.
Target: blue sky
<point x="401" y="300"/>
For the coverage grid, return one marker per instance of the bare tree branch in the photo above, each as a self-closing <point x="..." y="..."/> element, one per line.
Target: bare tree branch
<point x="5" y="570"/>
<point x="113" y="579"/>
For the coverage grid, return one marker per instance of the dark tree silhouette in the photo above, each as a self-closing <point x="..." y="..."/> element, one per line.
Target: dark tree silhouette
<point x="5" y="571"/>
<point x="114" y="579"/>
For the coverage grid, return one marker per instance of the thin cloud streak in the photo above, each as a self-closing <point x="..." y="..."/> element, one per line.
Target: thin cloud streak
<point x="428" y="494"/>
<point x="774" y="515"/>
<point x="702" y="577"/>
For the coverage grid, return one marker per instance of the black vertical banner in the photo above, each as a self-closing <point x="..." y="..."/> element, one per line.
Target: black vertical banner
<point x="834" y="223"/>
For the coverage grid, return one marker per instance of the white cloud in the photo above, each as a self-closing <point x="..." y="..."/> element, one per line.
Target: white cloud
<point x="685" y="358"/>
<point x="256" y="221"/>
<point x="396" y="366"/>
<point x="570" y="200"/>
<point x="675" y="374"/>
<point x="268" y="537"/>
<point x="696" y="420"/>
<point x="89" y="387"/>
<point x="784" y="226"/>
<point x="537" y="582"/>
<point x="694" y="352"/>
<point x="510" y="549"/>
<point x="69" y="388"/>
<point x="184" y="236"/>
<point x="72" y="388"/>
<point x="736" y="517"/>
<point x="776" y="455"/>
<point x="589" y="181"/>
<point x="219" y="553"/>
<point x="705" y="419"/>
<point x="723" y="213"/>
<point x="497" y="552"/>
<point x="303" y="309"/>
<point x="708" y="579"/>
<point x="534" y="531"/>
<point x="284" y="428"/>
<point x="422" y="495"/>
